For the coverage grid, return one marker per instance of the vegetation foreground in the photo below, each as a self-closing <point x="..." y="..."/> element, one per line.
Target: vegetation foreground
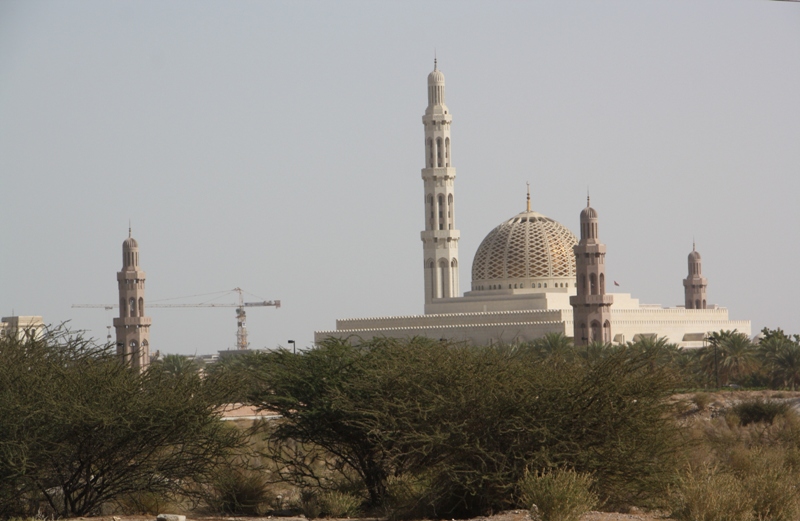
<point x="406" y="429"/>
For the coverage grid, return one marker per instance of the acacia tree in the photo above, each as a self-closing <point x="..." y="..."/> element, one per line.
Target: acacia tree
<point x="467" y="422"/>
<point x="80" y="428"/>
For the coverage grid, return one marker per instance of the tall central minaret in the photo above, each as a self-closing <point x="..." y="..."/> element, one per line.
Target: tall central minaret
<point x="132" y="327"/>
<point x="440" y="237"/>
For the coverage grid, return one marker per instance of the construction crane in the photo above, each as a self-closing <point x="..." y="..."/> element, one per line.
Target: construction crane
<point x="241" y="315"/>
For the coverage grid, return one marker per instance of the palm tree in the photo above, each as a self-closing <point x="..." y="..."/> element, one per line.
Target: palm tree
<point x="178" y="364"/>
<point x="735" y="356"/>
<point x="786" y="365"/>
<point x="554" y="346"/>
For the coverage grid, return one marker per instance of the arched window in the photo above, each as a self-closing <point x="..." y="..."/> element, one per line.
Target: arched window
<point x="583" y="282"/>
<point x="593" y="283"/>
<point x="122" y="311"/>
<point x="431" y="213"/>
<point x="132" y="306"/>
<point x="584" y="333"/>
<point x="602" y="284"/>
<point x="429" y="149"/>
<point x="141" y="307"/>
<point x="443" y="278"/>
<point x="596" y="334"/>
<point x="704" y="303"/>
<point x="439" y="152"/>
<point x="450" y="212"/>
<point x="441" y="212"/>
<point x="447" y="151"/>
<point x="432" y="274"/>
<point x="697" y="304"/>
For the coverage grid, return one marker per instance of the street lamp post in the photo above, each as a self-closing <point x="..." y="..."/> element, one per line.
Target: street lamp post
<point x="294" y="347"/>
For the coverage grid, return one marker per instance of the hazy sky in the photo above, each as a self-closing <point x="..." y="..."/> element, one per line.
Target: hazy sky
<point x="277" y="146"/>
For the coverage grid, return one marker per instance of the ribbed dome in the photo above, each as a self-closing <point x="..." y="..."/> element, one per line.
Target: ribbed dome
<point x="436" y="77"/>
<point x="130" y="243"/>
<point x="588" y="213"/>
<point x="694" y="256"/>
<point x="529" y="248"/>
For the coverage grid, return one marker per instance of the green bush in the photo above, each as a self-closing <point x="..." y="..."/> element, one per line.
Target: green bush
<point x="709" y="495"/>
<point x="334" y="503"/>
<point x="237" y="490"/>
<point x="558" y="495"/>
<point x="774" y="495"/>
<point x="701" y="400"/>
<point x="760" y="411"/>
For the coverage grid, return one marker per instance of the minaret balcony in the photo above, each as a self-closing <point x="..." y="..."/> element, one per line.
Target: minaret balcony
<point x="592" y="300"/>
<point x="132" y="321"/>
<point x="439" y="172"/>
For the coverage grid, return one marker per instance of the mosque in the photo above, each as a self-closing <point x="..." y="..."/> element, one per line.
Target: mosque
<point x="530" y="276"/>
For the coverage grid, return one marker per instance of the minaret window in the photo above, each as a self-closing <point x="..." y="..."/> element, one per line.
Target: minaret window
<point x="593" y="283"/>
<point x="441" y="212"/>
<point x="141" y="307"/>
<point x="132" y="306"/>
<point x="439" y="152"/>
<point x="450" y="212"/>
<point x="430" y="153"/>
<point x="447" y="151"/>
<point x="602" y="284"/>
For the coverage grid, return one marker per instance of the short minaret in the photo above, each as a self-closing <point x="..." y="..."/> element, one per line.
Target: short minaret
<point x="591" y="306"/>
<point x="694" y="285"/>
<point x="133" y="328"/>
<point x="440" y="237"/>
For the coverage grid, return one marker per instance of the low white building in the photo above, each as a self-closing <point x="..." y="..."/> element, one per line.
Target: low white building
<point x="20" y="326"/>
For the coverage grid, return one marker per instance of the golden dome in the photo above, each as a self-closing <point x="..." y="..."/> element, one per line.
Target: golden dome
<point x="527" y="250"/>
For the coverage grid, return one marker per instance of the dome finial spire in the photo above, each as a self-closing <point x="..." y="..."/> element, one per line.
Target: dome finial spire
<point x="434" y="60"/>
<point x="129" y="228"/>
<point x="529" y="196"/>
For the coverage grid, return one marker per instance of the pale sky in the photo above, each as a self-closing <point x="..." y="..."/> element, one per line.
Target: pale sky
<point x="277" y="146"/>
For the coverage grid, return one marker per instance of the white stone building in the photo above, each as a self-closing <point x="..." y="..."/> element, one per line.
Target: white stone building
<point x="524" y="276"/>
<point x="20" y="326"/>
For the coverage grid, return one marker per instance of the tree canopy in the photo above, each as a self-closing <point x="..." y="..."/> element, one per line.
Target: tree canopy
<point x="80" y="428"/>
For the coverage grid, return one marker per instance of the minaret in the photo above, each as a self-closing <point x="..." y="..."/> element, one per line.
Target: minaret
<point x="133" y="328"/>
<point x="440" y="237"/>
<point x="591" y="306"/>
<point x="694" y="285"/>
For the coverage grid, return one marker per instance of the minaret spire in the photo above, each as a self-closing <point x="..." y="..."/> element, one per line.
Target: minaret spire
<point x="529" y="197"/>
<point x="440" y="236"/>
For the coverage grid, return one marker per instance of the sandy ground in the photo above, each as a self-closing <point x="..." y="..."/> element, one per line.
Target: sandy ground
<point x="513" y="515"/>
